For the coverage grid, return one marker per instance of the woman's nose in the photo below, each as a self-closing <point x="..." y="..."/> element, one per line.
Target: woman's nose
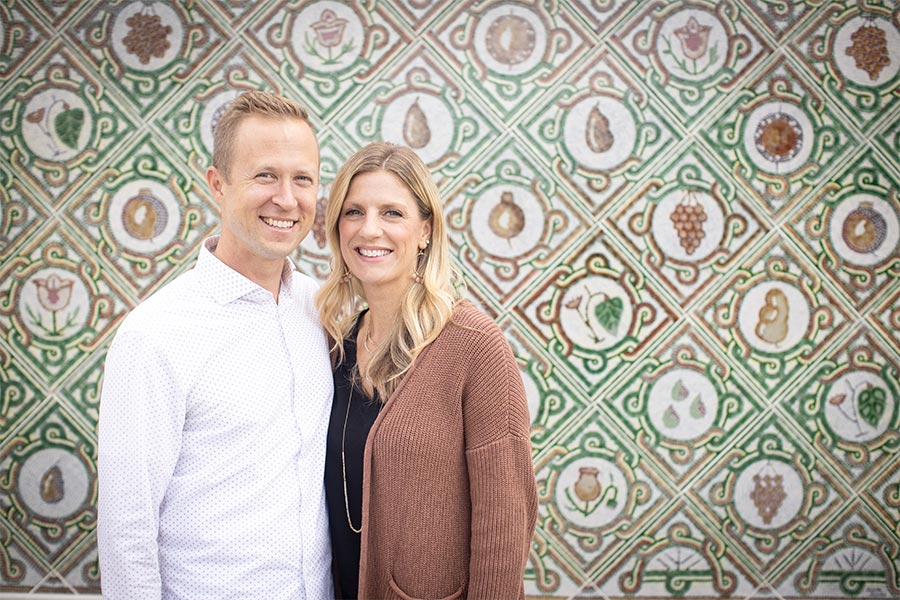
<point x="371" y="226"/>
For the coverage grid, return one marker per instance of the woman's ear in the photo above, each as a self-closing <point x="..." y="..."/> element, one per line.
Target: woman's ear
<point x="426" y="234"/>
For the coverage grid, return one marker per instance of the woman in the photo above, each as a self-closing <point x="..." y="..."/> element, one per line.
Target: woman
<point x="428" y="476"/>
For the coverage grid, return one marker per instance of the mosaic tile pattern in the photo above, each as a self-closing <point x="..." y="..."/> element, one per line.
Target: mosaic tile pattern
<point x="683" y="214"/>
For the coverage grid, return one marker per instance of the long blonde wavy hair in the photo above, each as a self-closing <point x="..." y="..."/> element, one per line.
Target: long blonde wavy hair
<point x="426" y="307"/>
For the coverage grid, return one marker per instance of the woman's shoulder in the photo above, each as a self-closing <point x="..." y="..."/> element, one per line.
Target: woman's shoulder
<point x="467" y="316"/>
<point x="473" y="327"/>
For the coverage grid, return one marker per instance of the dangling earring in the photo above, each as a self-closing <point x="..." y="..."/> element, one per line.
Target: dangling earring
<point x="345" y="278"/>
<point x="417" y="277"/>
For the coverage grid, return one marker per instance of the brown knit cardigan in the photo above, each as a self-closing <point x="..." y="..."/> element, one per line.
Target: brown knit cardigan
<point x="449" y="495"/>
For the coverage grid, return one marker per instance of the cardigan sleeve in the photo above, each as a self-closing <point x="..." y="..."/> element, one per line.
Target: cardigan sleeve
<point x="501" y="474"/>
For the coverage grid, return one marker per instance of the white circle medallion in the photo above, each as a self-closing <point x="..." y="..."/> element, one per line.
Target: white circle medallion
<point x="596" y="313"/>
<point x="682" y="404"/>
<point x="859" y="406"/>
<point x="328" y="36"/>
<point x="507" y="221"/>
<point x="591" y="492"/>
<point x="54" y="303"/>
<point x="867" y="51"/>
<point x="510" y="39"/>
<point x="53" y="483"/>
<point x="147" y="36"/>
<point x="768" y="494"/>
<point x="864" y="230"/>
<point x="778" y="137"/>
<point x="774" y="316"/>
<point x="56" y="124"/>
<point x="600" y="133"/>
<point x="421" y="121"/>
<point x="144" y="216"/>
<point x="692" y="44"/>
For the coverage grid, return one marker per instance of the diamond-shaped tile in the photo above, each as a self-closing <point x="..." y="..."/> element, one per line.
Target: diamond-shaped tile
<point x="510" y="52"/>
<point x="146" y="49"/>
<point x="853" y="232"/>
<point x="420" y="104"/>
<point x="779" y="138"/>
<point x="328" y="48"/>
<point x="850" y="408"/>
<point x="591" y="487"/>
<point x="769" y="499"/>
<point x="854" y="51"/>
<point x="63" y="126"/>
<point x="49" y="476"/>
<point x="598" y="127"/>
<point x="145" y="218"/>
<point x="56" y="304"/>
<point x="508" y="225"/>
<point x="595" y="313"/>
<point x="683" y="407"/>
<point x="690" y="54"/>
<point x="772" y="317"/>
<point x="677" y="557"/>
<point x="690" y="225"/>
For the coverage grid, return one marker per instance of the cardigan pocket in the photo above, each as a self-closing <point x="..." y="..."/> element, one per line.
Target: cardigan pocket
<point x="401" y="595"/>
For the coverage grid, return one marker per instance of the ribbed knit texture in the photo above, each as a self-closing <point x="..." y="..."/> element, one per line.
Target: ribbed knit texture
<point x="449" y="496"/>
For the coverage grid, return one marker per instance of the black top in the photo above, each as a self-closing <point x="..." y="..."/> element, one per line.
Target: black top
<point x="363" y="411"/>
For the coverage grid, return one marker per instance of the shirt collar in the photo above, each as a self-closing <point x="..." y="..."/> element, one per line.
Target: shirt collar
<point x="226" y="285"/>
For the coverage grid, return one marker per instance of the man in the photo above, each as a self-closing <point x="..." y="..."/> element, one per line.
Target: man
<point x="217" y="393"/>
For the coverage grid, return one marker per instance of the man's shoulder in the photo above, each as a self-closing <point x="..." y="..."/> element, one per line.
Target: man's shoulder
<point x="175" y="300"/>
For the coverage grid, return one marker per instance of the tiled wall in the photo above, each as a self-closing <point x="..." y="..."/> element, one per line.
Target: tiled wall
<point x="684" y="215"/>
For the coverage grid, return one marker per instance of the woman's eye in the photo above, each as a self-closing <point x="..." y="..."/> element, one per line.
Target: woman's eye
<point x="394" y="213"/>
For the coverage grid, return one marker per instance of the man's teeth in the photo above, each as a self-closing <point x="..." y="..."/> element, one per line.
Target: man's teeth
<point x="373" y="253"/>
<point x="278" y="223"/>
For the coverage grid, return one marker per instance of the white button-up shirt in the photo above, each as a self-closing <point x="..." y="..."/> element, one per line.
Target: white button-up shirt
<point x="213" y="419"/>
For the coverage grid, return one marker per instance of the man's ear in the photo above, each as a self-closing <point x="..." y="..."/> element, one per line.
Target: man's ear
<point x="216" y="181"/>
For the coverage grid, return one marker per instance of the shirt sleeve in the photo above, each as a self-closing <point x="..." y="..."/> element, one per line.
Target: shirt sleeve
<point x="139" y="434"/>
<point x="501" y="474"/>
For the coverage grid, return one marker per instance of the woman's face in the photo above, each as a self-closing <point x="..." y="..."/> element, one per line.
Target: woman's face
<point x="381" y="232"/>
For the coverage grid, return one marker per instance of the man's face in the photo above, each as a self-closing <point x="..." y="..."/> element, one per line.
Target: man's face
<point x="268" y="199"/>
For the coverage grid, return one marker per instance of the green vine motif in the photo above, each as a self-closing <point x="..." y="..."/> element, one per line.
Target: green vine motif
<point x="55" y="329"/>
<point x="682" y="64"/>
<point x="609" y="497"/>
<point x="608" y="313"/>
<point x="67" y="124"/>
<point x="868" y="405"/>
<point x="331" y="59"/>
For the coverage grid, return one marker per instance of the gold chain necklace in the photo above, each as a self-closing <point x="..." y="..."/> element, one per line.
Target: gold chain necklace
<point x="344" y="465"/>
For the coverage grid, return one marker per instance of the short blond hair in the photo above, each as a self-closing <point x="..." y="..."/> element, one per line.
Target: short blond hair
<point x="264" y="104"/>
